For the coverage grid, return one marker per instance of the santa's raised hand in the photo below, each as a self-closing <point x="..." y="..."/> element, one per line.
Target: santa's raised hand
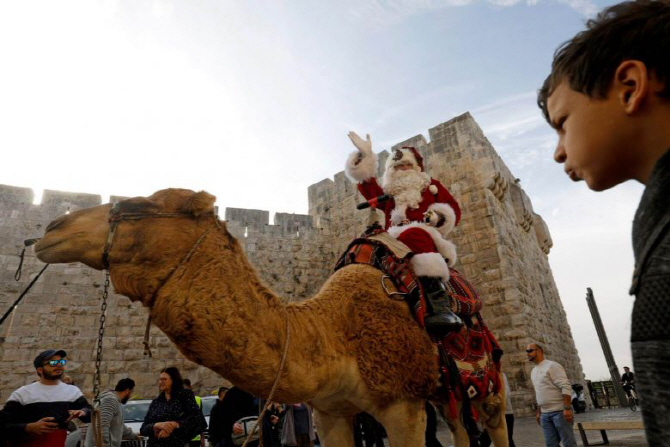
<point x="364" y="146"/>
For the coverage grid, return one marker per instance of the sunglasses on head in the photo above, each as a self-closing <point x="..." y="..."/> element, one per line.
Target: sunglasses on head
<point x="56" y="362"/>
<point x="531" y="350"/>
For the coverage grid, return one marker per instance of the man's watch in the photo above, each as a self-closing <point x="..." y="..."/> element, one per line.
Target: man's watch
<point x="567" y="407"/>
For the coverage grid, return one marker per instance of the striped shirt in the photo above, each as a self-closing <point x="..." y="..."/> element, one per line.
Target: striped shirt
<point x="111" y="422"/>
<point x="36" y="401"/>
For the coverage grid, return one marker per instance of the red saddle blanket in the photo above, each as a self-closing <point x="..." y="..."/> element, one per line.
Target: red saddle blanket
<point x="470" y="358"/>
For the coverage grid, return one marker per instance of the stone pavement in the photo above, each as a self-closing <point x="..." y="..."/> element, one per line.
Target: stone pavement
<point x="528" y="434"/>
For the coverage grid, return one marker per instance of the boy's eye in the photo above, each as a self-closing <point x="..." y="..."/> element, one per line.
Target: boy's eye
<point x="559" y="123"/>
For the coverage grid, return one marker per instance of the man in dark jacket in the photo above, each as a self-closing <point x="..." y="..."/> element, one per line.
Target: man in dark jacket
<point x="38" y="414"/>
<point x="609" y="103"/>
<point x="235" y="405"/>
<point x="216" y="416"/>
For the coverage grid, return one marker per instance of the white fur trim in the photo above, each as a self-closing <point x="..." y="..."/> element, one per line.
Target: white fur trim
<point x="446" y="248"/>
<point x="364" y="170"/>
<point x="432" y="189"/>
<point x="398" y="214"/>
<point x="431" y="265"/>
<point x="449" y="215"/>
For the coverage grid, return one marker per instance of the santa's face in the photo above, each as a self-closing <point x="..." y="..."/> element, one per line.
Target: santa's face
<point x="403" y="167"/>
<point x="402" y="160"/>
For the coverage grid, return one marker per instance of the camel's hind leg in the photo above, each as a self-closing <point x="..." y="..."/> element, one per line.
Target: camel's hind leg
<point x="334" y="430"/>
<point x="404" y="422"/>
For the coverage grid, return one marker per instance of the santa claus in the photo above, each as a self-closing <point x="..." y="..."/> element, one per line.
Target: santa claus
<point x="418" y="206"/>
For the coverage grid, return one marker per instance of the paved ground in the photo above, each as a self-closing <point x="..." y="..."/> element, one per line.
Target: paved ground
<point x="528" y="434"/>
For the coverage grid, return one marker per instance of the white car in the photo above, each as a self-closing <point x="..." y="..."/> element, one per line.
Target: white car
<point x="134" y="412"/>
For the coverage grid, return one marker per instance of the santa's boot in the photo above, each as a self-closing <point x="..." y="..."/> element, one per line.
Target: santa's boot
<point x="440" y="319"/>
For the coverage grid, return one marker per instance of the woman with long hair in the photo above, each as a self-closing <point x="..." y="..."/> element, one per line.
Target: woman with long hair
<point x="173" y="417"/>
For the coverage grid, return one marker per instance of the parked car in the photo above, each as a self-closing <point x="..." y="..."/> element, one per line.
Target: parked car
<point x="134" y="412"/>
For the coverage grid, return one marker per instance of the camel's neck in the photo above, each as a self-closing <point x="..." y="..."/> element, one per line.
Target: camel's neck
<point x="221" y="316"/>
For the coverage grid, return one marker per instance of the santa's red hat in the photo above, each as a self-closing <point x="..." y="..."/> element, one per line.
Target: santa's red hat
<point x="405" y="154"/>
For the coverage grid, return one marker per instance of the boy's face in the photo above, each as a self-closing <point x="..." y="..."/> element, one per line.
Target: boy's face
<point x="595" y="141"/>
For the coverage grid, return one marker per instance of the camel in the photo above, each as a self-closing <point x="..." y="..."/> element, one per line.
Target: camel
<point x="352" y="349"/>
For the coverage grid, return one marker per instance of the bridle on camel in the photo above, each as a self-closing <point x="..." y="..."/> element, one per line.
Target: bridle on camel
<point x="115" y="218"/>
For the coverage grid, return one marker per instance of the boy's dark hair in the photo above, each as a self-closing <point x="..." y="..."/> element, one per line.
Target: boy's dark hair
<point x="632" y="30"/>
<point x="222" y="390"/>
<point x="175" y="375"/>
<point x="187" y="382"/>
<point x="125" y="384"/>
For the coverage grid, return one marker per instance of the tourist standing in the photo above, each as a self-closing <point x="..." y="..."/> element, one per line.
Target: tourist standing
<point x="235" y="405"/>
<point x="37" y="415"/>
<point x="197" y="441"/>
<point x="216" y="418"/>
<point x="111" y="416"/>
<point x="553" y="394"/>
<point x="298" y="427"/>
<point x="173" y="418"/>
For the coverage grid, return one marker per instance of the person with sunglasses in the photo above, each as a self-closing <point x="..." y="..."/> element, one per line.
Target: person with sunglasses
<point x="38" y="414"/>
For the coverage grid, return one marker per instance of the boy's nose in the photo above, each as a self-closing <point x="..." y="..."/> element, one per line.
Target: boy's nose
<point x="559" y="154"/>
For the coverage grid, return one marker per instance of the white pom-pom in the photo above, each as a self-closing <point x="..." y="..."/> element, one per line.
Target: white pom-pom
<point x="432" y="189"/>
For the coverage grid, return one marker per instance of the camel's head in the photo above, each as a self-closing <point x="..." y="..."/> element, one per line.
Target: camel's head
<point x="147" y="243"/>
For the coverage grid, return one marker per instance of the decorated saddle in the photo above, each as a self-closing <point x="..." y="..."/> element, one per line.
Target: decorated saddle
<point x="469" y="358"/>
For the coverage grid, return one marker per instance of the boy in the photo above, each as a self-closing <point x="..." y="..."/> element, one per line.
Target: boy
<point x="608" y="98"/>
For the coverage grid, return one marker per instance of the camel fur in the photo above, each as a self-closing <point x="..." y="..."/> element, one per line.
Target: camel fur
<point x="352" y="349"/>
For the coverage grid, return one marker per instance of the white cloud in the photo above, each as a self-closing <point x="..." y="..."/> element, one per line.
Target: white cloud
<point x="385" y="13"/>
<point x="584" y="7"/>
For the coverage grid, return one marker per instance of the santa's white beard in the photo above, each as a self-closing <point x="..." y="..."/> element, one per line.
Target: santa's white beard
<point x="405" y="186"/>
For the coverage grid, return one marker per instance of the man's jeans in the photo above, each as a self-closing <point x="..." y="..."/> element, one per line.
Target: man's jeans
<point x="556" y="429"/>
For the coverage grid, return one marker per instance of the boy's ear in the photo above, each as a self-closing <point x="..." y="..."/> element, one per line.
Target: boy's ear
<point x="631" y="83"/>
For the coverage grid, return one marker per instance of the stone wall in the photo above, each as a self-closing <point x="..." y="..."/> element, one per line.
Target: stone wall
<point x="502" y="245"/>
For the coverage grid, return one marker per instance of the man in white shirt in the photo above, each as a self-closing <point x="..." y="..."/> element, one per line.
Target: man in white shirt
<point x="553" y="393"/>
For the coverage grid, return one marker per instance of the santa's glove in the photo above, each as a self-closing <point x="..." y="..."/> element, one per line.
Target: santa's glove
<point x="433" y="218"/>
<point x="364" y="146"/>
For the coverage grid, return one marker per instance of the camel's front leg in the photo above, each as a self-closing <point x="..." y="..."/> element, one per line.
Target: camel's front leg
<point x="334" y="430"/>
<point x="404" y="421"/>
<point x="492" y="411"/>
<point x="459" y="435"/>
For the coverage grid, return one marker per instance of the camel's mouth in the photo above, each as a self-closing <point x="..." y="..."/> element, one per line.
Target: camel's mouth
<point x="43" y="247"/>
<point x="46" y="249"/>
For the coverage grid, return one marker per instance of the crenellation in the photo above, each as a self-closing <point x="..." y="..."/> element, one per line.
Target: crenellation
<point x="70" y="199"/>
<point x="15" y="195"/>
<point x="418" y="141"/>
<point x="248" y="217"/>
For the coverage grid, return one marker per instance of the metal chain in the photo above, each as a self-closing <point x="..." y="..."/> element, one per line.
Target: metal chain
<point x="101" y="333"/>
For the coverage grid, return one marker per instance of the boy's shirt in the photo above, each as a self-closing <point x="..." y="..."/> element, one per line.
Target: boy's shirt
<point x="651" y="245"/>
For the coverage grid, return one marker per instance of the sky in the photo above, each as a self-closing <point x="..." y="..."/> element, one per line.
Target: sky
<point x="252" y="101"/>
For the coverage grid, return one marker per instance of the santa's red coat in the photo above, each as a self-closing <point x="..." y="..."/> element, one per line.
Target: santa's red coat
<point x="418" y="240"/>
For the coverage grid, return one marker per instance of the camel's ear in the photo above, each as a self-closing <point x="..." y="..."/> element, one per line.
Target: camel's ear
<point x="200" y="203"/>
